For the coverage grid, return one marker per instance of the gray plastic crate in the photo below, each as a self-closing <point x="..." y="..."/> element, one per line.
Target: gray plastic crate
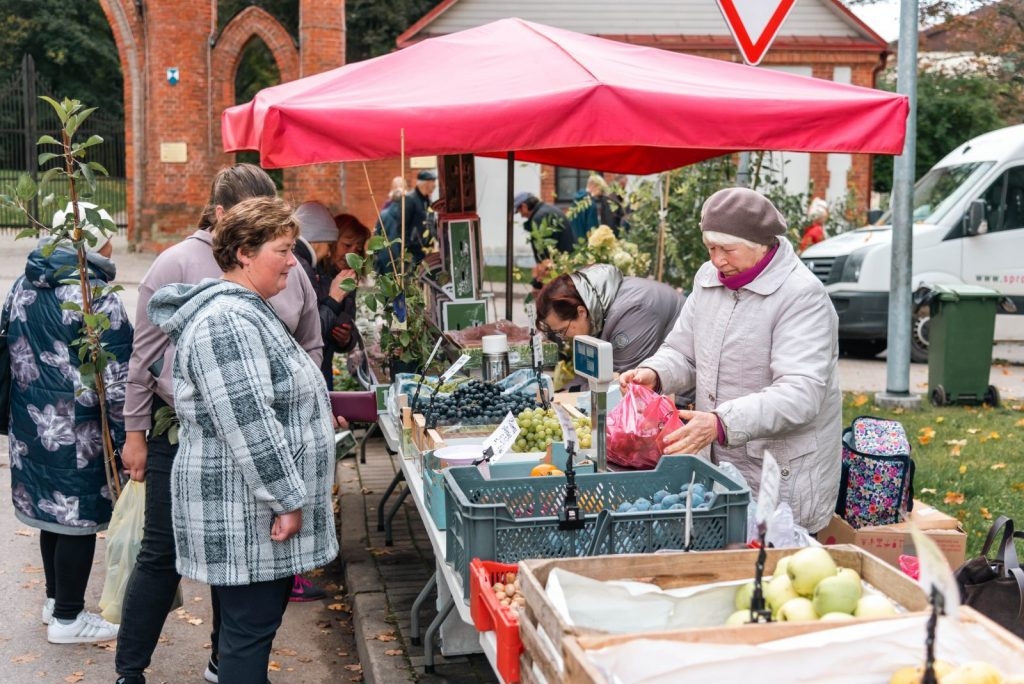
<point x="514" y="519"/>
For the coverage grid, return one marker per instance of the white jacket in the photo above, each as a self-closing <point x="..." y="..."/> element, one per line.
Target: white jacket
<point x="763" y="358"/>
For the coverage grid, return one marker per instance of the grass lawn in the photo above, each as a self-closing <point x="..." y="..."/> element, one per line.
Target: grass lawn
<point x="970" y="459"/>
<point x="496" y="274"/>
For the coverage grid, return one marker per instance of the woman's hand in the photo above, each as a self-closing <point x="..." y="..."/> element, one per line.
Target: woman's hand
<point x="641" y="376"/>
<point x="286" y="525"/>
<point x="340" y="423"/>
<point x="134" y="453"/>
<point x="337" y="294"/>
<point x="700" y="429"/>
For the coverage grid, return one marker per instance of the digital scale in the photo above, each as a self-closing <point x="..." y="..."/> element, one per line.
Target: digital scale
<point x="592" y="359"/>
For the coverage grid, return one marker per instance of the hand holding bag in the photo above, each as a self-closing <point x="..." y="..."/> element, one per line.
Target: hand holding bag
<point x="994" y="586"/>
<point x="638" y="426"/>
<point x="124" y="538"/>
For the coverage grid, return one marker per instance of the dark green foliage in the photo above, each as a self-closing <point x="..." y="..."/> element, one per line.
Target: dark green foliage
<point x="951" y="108"/>
<point x="72" y="45"/>
<point x="372" y="25"/>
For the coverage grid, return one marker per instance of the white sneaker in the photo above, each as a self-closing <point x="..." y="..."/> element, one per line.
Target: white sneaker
<point x="87" y="628"/>
<point x="48" y="610"/>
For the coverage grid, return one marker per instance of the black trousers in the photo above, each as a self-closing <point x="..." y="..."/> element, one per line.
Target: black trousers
<point x="67" y="561"/>
<point x="154" y="581"/>
<point x="250" y="617"/>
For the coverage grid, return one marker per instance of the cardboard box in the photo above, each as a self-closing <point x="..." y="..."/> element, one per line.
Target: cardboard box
<point x="888" y="542"/>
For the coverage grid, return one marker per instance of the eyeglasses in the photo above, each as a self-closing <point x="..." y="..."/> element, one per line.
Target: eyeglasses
<point x="556" y="336"/>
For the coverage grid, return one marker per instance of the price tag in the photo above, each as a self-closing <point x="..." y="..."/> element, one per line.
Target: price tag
<point x="768" y="496"/>
<point x="538" y="349"/>
<point x="455" y="368"/>
<point x="531" y="311"/>
<point x="501" y="440"/>
<point x="568" y="429"/>
<point x="433" y="353"/>
<point x="934" y="571"/>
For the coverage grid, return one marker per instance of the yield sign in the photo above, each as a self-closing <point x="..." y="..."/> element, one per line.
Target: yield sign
<point x="754" y="24"/>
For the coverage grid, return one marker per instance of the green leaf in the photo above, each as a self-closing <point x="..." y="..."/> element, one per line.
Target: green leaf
<point x="87" y="370"/>
<point x="377" y="242"/>
<point x="71" y="306"/>
<point x="62" y="113"/>
<point x="47" y="140"/>
<point x="404" y="337"/>
<point x="49" y="175"/>
<point x="93" y="140"/>
<point x="47" y="156"/>
<point x="25" y="188"/>
<point x="89" y="177"/>
<point x="348" y="285"/>
<point x="98" y="168"/>
<point x="354" y="261"/>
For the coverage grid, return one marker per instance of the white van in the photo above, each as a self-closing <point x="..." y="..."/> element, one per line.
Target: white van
<point x="968" y="228"/>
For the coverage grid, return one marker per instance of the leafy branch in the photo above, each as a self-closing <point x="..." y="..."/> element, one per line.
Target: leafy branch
<point x="80" y="174"/>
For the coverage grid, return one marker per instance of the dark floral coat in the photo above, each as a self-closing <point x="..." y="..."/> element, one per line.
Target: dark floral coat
<point x="55" y="441"/>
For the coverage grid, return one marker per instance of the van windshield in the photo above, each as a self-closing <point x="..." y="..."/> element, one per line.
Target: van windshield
<point x="940" y="189"/>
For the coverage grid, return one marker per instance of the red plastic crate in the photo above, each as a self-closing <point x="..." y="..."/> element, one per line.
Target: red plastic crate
<point x="488" y="614"/>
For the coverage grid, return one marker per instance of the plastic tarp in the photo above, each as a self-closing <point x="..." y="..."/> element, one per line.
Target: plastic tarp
<point x="554" y="96"/>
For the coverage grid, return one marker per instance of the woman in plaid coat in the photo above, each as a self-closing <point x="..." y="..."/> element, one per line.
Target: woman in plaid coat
<point x="251" y="484"/>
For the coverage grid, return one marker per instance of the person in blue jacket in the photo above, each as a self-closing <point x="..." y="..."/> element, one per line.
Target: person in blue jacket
<point x="58" y="482"/>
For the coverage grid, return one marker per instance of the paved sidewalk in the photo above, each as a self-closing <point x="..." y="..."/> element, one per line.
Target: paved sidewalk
<point x="383" y="581"/>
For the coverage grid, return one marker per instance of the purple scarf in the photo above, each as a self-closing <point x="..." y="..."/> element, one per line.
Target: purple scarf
<point x="735" y="282"/>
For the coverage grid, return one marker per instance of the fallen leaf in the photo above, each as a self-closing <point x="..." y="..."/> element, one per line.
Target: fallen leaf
<point x="30" y="533"/>
<point x="285" y="652"/>
<point x="195" y="621"/>
<point x="31" y="569"/>
<point x="366" y="490"/>
<point x="956" y="498"/>
<point x="860" y="400"/>
<point x="963" y="469"/>
<point x="90" y="661"/>
<point x="973" y="431"/>
<point x="386" y="636"/>
<point x="927" y="490"/>
<point x="22" y="659"/>
<point x="274" y="666"/>
<point x="394" y="652"/>
<point x="1019" y="486"/>
<point x="1019" y="423"/>
<point x="378" y="552"/>
<point x="74" y="677"/>
<point x="985" y="514"/>
<point x="354" y="668"/>
<point x="106" y="645"/>
<point x="324" y="624"/>
<point x="306" y="659"/>
<point x="342" y="654"/>
<point x="997" y="466"/>
<point x="940" y="419"/>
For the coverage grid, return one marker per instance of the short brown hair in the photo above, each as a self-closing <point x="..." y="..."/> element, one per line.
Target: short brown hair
<point x="347" y="223"/>
<point x="249" y="225"/>
<point x="233" y="184"/>
<point x="560" y="297"/>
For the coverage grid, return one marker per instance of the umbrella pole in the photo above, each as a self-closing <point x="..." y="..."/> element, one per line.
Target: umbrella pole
<point x="401" y="152"/>
<point x="662" y="225"/>
<point x="509" y="259"/>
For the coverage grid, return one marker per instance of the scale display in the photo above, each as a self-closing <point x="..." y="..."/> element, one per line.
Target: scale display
<point x="592" y="358"/>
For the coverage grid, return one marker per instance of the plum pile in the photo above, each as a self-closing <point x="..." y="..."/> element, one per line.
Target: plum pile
<point x="663" y="500"/>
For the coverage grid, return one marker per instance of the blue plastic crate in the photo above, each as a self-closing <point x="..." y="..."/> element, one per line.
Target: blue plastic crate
<point x="510" y="520"/>
<point x="433" y="479"/>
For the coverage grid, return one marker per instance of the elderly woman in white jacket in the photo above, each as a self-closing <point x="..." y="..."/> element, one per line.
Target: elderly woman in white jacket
<point x="757" y="341"/>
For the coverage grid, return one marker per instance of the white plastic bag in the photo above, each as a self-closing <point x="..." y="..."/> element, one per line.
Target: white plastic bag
<point x="124" y="537"/>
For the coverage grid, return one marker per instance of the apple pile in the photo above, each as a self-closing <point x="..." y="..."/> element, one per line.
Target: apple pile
<point x="810" y="586"/>
<point x="973" y="672"/>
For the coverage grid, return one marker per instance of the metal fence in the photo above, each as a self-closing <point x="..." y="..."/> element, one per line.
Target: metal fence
<point x="23" y="119"/>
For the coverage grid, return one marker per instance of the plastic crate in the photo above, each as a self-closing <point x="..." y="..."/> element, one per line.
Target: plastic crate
<point x="488" y="614"/>
<point x="433" y="480"/>
<point x="510" y="520"/>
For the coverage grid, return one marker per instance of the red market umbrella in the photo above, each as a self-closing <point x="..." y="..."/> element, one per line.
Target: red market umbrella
<point x="557" y="97"/>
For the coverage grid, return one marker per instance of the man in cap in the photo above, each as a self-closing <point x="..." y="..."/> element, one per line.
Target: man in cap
<point x="420" y="222"/>
<point x="547" y="228"/>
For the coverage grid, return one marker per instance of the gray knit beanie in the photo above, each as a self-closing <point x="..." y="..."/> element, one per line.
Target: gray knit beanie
<point x="316" y="223"/>
<point x="744" y="213"/>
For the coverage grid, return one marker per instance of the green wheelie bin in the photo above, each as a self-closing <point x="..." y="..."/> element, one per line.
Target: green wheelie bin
<point x="960" y="335"/>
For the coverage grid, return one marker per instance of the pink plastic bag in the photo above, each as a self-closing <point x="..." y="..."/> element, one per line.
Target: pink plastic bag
<point x="638" y="426"/>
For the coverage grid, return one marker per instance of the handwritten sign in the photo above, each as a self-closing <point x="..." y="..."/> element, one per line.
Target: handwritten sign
<point x="538" y="349"/>
<point x="502" y="439"/>
<point x="768" y="497"/>
<point x="455" y="368"/>
<point x="934" y="571"/>
<point x="568" y="429"/>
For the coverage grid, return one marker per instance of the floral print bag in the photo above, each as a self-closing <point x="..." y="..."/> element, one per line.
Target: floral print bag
<point x="877" y="482"/>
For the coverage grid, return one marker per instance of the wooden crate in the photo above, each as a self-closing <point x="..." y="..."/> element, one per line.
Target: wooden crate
<point x="580" y="669"/>
<point x="674" y="570"/>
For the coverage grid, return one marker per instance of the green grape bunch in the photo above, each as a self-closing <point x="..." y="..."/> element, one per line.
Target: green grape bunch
<point x="540" y="427"/>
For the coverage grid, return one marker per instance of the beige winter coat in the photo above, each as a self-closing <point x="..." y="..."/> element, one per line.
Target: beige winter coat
<point x="763" y="358"/>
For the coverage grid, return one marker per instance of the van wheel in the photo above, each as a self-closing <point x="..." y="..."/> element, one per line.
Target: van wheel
<point x="919" y="334"/>
<point x="861" y="349"/>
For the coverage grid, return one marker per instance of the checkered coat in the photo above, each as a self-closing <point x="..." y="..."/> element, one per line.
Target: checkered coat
<point x="256" y="437"/>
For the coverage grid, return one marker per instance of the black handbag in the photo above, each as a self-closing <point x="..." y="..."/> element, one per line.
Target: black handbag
<point x="994" y="586"/>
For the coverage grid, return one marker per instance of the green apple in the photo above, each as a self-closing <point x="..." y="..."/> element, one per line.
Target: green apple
<point x="744" y="594"/>
<point x="974" y="672"/>
<point x="836" y="617"/>
<point x="874" y="606"/>
<point x="809" y="566"/>
<point x="780" y="567"/>
<point x="850" y="574"/>
<point x="740" y="617"/>
<point x="778" y="591"/>
<point x="836" y="595"/>
<point x="799" y="609"/>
